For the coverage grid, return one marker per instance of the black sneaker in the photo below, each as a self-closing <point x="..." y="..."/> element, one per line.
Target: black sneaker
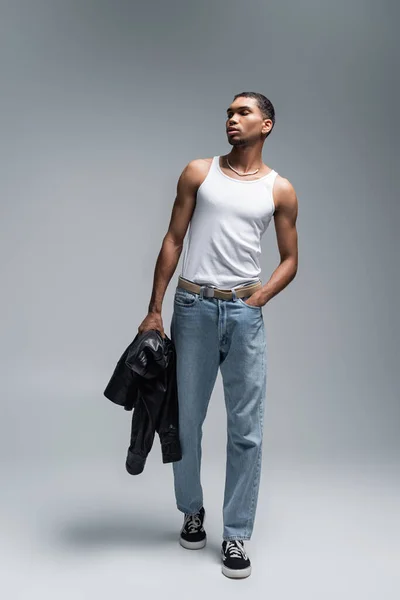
<point x="235" y="562"/>
<point x="193" y="535"/>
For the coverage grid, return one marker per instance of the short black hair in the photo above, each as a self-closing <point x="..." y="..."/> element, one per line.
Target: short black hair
<point x="264" y="104"/>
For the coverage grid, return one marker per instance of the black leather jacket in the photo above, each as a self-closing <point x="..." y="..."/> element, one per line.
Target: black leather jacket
<point x="145" y="379"/>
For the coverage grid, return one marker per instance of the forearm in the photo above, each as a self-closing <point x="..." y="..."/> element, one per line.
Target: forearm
<point x="280" y="278"/>
<point x="167" y="260"/>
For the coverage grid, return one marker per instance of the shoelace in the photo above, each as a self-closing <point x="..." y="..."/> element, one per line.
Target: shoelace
<point x="192" y="522"/>
<point x="235" y="549"/>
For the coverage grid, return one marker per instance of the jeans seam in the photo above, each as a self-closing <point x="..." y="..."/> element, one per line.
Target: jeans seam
<point x="252" y="503"/>
<point x="259" y="455"/>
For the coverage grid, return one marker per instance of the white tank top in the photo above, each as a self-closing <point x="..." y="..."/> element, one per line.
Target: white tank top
<point x="222" y="248"/>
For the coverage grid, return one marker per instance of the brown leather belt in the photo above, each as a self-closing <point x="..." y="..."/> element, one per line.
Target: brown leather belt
<point x="214" y="292"/>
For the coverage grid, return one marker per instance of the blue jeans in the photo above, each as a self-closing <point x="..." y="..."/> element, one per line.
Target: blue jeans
<point x="211" y="333"/>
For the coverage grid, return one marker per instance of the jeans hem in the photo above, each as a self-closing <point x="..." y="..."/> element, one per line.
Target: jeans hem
<point x="187" y="512"/>
<point x="231" y="538"/>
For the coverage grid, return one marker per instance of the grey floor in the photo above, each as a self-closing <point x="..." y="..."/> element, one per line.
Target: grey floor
<point x="85" y="531"/>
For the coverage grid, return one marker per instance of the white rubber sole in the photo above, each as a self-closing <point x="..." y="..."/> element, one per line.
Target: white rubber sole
<point x="235" y="573"/>
<point x="192" y="545"/>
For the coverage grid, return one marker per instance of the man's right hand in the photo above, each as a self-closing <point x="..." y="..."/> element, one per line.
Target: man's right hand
<point x="152" y="321"/>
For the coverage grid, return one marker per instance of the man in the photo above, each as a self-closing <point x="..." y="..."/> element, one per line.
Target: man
<point x="217" y="320"/>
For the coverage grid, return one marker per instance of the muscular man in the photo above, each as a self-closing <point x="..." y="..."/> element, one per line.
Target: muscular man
<point x="217" y="320"/>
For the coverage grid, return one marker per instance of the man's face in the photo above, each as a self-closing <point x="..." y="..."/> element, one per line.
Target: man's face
<point x="245" y="116"/>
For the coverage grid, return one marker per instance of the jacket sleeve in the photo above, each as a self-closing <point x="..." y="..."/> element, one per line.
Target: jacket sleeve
<point x="168" y="423"/>
<point x="122" y="388"/>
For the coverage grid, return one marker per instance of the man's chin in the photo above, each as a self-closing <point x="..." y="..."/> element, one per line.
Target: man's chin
<point x="236" y="142"/>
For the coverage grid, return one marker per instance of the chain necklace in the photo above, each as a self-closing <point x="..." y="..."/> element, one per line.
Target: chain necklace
<point x="241" y="174"/>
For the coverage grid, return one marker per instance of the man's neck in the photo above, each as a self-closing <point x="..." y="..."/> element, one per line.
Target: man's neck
<point x="245" y="159"/>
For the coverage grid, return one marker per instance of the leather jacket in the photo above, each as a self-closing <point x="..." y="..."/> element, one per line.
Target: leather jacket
<point x="145" y="379"/>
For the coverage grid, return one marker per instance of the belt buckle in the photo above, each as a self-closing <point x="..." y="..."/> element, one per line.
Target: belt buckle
<point x="208" y="292"/>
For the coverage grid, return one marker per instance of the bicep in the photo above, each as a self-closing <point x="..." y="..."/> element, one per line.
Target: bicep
<point x="183" y="207"/>
<point x="285" y="218"/>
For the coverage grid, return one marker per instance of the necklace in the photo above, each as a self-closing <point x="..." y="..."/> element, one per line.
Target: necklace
<point x="241" y="174"/>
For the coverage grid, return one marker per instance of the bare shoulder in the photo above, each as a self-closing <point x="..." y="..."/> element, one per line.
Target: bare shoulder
<point x="185" y="201"/>
<point x="196" y="171"/>
<point x="285" y="197"/>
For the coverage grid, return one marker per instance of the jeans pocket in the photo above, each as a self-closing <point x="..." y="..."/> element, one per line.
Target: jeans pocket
<point x="242" y="301"/>
<point x="184" y="297"/>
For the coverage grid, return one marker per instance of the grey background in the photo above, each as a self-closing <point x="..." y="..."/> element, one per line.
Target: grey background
<point x="102" y="106"/>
